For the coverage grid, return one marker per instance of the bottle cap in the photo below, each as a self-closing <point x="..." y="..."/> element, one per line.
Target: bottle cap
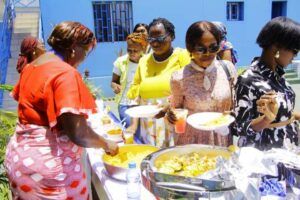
<point x="131" y="165"/>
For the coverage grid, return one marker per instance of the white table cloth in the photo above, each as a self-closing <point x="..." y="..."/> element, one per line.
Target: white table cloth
<point x="107" y="187"/>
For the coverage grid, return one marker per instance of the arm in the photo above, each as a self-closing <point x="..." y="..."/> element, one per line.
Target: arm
<point x="244" y="109"/>
<point x="133" y="91"/>
<point x="115" y="83"/>
<point x="296" y="115"/>
<point x="176" y="99"/>
<point x="225" y="55"/>
<point x="75" y="126"/>
<point x="267" y="105"/>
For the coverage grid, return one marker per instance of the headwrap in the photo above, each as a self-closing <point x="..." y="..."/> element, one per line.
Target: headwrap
<point x="28" y="46"/>
<point x="222" y="29"/>
<point x="139" y="38"/>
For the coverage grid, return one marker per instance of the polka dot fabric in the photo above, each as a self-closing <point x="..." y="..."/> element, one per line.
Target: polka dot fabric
<point x="42" y="165"/>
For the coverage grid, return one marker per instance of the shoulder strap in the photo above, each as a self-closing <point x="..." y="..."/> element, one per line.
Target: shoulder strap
<point x="230" y="80"/>
<point x="225" y="68"/>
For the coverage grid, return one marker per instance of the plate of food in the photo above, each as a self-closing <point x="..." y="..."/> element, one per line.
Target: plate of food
<point x="144" y="111"/>
<point x="209" y="121"/>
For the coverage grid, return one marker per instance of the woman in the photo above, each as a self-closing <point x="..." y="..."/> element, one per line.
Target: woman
<point x="31" y="48"/>
<point x="143" y="28"/>
<point x="227" y="52"/>
<point x="43" y="156"/>
<point x="265" y="100"/>
<point x="123" y="72"/>
<point x="152" y="79"/>
<point x="202" y="85"/>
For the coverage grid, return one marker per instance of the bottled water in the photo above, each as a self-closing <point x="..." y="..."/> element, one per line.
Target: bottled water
<point x="133" y="178"/>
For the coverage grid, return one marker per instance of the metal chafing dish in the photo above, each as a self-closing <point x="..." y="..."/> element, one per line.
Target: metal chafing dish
<point x="173" y="186"/>
<point x="119" y="172"/>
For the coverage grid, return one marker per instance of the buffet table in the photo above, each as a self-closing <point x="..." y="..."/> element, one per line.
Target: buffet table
<point x="106" y="187"/>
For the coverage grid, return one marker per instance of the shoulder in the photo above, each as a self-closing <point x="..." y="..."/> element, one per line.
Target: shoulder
<point x="229" y="65"/>
<point x="183" y="73"/>
<point x="121" y="60"/>
<point x="183" y="56"/>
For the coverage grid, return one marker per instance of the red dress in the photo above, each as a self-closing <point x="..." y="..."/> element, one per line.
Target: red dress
<point x="41" y="162"/>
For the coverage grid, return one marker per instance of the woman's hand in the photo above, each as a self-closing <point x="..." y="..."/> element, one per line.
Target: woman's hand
<point x="116" y="88"/>
<point x="171" y="117"/>
<point x="162" y="112"/>
<point x="268" y="106"/>
<point x="111" y="148"/>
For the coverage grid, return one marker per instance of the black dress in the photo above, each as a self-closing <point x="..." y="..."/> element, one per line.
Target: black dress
<point x="251" y="85"/>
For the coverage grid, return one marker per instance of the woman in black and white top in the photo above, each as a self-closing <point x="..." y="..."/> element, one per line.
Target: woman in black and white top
<point x="265" y="101"/>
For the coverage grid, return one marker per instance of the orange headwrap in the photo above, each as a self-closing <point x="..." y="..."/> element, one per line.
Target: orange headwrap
<point x="139" y="38"/>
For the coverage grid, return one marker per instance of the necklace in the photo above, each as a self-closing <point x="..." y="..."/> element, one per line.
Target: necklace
<point x="161" y="61"/>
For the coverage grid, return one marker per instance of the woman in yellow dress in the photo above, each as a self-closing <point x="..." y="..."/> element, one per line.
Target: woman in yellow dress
<point x="152" y="78"/>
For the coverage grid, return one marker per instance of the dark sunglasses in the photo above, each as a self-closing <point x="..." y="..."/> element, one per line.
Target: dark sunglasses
<point x="214" y="48"/>
<point x="295" y="51"/>
<point x="159" y="39"/>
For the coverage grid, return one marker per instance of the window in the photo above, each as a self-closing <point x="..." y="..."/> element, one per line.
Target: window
<point x="113" y="20"/>
<point x="278" y="8"/>
<point x="235" y="11"/>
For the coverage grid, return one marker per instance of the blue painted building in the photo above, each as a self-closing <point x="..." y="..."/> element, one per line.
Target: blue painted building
<point x="112" y="20"/>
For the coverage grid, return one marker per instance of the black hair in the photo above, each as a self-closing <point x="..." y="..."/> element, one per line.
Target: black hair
<point x="281" y="32"/>
<point x="195" y="32"/>
<point x="138" y="25"/>
<point x="169" y="27"/>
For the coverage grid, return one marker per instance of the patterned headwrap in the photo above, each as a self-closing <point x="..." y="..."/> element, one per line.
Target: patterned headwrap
<point x="139" y="38"/>
<point x="28" y="45"/>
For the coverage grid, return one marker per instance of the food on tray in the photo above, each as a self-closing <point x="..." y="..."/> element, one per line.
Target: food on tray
<point x="191" y="165"/>
<point x="115" y="131"/>
<point x="105" y="120"/>
<point x="223" y="119"/>
<point x="122" y="159"/>
<point x="233" y="148"/>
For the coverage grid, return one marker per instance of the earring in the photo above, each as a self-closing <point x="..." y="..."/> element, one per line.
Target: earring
<point x="277" y="55"/>
<point x="73" y="53"/>
<point x="33" y="53"/>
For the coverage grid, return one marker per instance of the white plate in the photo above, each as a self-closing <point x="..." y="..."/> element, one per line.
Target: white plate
<point x="143" y="111"/>
<point x="199" y="120"/>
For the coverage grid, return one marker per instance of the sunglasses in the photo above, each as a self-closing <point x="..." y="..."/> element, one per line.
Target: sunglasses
<point x="295" y="51"/>
<point x="214" y="48"/>
<point x="159" y="39"/>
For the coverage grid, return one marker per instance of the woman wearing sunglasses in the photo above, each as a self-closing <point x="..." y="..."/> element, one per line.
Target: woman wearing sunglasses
<point x="152" y="78"/>
<point x="202" y="85"/>
<point x="265" y="100"/>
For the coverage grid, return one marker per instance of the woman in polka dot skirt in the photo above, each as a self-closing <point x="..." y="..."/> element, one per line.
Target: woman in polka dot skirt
<point x="43" y="156"/>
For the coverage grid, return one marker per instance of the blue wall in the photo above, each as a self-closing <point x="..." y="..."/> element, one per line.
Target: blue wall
<point x="181" y="13"/>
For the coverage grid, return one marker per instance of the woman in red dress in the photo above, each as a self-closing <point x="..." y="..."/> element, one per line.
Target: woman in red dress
<point x="43" y="156"/>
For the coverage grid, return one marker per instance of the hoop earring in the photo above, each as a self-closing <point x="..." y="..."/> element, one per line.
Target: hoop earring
<point x="277" y="55"/>
<point x="73" y="53"/>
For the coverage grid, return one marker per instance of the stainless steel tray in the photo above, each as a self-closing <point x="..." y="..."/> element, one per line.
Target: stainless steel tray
<point x="164" y="185"/>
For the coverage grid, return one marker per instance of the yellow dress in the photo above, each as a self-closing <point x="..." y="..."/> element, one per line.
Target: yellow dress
<point x="152" y="84"/>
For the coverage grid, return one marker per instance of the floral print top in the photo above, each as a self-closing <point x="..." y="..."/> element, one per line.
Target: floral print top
<point x="251" y="85"/>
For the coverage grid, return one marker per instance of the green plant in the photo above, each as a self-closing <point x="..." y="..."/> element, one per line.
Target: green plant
<point x="240" y="70"/>
<point x="96" y="91"/>
<point x="7" y="128"/>
<point x="6" y="87"/>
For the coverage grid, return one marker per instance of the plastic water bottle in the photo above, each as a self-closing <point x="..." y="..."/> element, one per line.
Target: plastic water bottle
<point x="133" y="178"/>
